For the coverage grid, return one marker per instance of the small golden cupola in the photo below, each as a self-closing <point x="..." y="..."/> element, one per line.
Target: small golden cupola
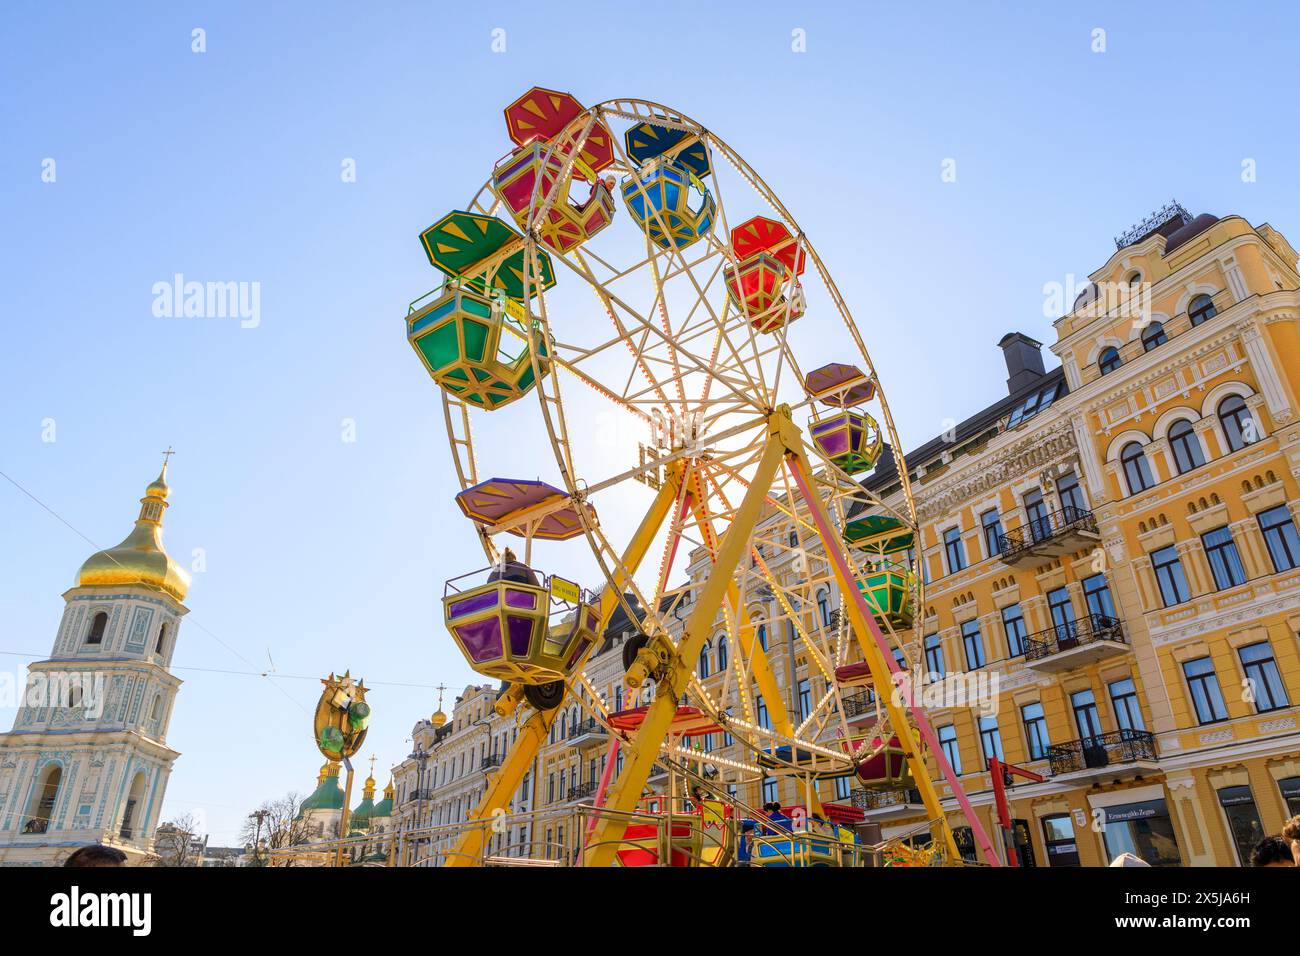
<point x="140" y="558"/>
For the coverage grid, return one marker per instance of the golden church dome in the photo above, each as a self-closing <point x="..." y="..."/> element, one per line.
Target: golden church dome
<point x="439" y="719"/>
<point x="140" y="558"/>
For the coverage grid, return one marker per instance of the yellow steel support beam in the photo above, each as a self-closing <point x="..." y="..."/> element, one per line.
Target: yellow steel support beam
<point x="505" y="782"/>
<point x="875" y="651"/>
<point x="643" y="749"/>
<point x="752" y="652"/>
<point x="750" y="648"/>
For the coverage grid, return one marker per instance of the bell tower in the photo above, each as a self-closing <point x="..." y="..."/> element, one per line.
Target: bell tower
<point x="87" y="760"/>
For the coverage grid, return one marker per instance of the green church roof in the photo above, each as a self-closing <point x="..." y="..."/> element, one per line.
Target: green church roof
<point x="360" y="819"/>
<point x="328" y="795"/>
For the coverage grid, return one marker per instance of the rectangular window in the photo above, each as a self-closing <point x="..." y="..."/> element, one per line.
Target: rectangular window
<point x="1058" y="840"/>
<point x="1035" y="730"/>
<point x="1040" y="523"/>
<point x="842" y="786"/>
<point x="1225" y="562"/>
<point x="1086" y="719"/>
<point x="1203" y="684"/>
<point x="1062" y="611"/>
<point x="934" y="655"/>
<point x="769" y="790"/>
<point x="805" y="699"/>
<point x="1124" y="700"/>
<point x="1281" y="536"/>
<point x="1013" y="622"/>
<point x="1072" y="503"/>
<point x="1265" y="681"/>
<point x="973" y="641"/>
<point x="1243" y="819"/>
<point x="948" y="741"/>
<point x="953" y="550"/>
<point x="1096" y="594"/>
<point x="991" y="522"/>
<point x="1170" y="577"/>
<point x="990" y="738"/>
<point x="760" y="707"/>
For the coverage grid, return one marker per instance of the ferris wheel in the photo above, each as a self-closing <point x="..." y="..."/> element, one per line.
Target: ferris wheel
<point x="626" y="290"/>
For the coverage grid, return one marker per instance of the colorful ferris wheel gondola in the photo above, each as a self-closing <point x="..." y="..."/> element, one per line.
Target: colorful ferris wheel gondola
<point x="540" y="171"/>
<point x="666" y="193"/>
<point x="848" y="438"/>
<point x="473" y="336"/>
<point x="769" y="261"/>
<point x="510" y="621"/>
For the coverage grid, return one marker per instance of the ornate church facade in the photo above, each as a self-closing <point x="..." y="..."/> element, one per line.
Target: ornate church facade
<point x="87" y="760"/>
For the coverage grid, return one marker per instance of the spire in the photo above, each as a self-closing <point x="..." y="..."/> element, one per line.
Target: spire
<point x="439" y="719"/>
<point x="140" y="558"/>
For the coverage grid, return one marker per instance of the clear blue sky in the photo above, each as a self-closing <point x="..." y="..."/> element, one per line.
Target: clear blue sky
<point x="225" y="166"/>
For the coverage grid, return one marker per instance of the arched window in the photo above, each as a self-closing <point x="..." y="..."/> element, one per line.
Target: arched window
<point x="1200" y="309"/>
<point x="722" y="653"/>
<point x="156" y="711"/>
<point x="1135" y="278"/>
<point x="131" y="810"/>
<point x="1137" y="472"/>
<point x="1237" y="421"/>
<point x="1153" y="335"/>
<point x="703" y="669"/>
<point x="162" y="636"/>
<point x="824" y="605"/>
<point x="98" y="625"/>
<point x="762" y="636"/>
<point x="41" y="807"/>
<point x="1186" y="447"/>
<point x="1108" y="361"/>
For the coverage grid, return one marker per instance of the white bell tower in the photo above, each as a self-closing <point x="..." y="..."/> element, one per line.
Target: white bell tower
<point x="87" y="760"/>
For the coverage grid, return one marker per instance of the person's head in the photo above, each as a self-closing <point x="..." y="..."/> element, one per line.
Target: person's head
<point x="96" y="855"/>
<point x="1291" y="833"/>
<point x="1272" y="851"/>
<point x="509" y="556"/>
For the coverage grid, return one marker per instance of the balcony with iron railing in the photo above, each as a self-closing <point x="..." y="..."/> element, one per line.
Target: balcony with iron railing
<point x="423" y="794"/>
<point x="489" y="762"/>
<point x="859" y="706"/>
<point x="1047" y="538"/>
<point x="1114" y="756"/>
<point x="888" y="804"/>
<point x="1088" y="640"/>
<point x="586" y="733"/>
<point x="581" y="791"/>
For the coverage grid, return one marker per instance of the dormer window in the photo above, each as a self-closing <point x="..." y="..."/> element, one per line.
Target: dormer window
<point x="1109" y="360"/>
<point x="1135" y="279"/>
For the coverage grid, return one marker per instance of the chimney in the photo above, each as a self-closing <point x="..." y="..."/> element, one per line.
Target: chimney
<point x="1024" y="360"/>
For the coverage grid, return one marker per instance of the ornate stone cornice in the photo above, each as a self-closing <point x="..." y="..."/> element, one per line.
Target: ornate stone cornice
<point x="1039" y="450"/>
